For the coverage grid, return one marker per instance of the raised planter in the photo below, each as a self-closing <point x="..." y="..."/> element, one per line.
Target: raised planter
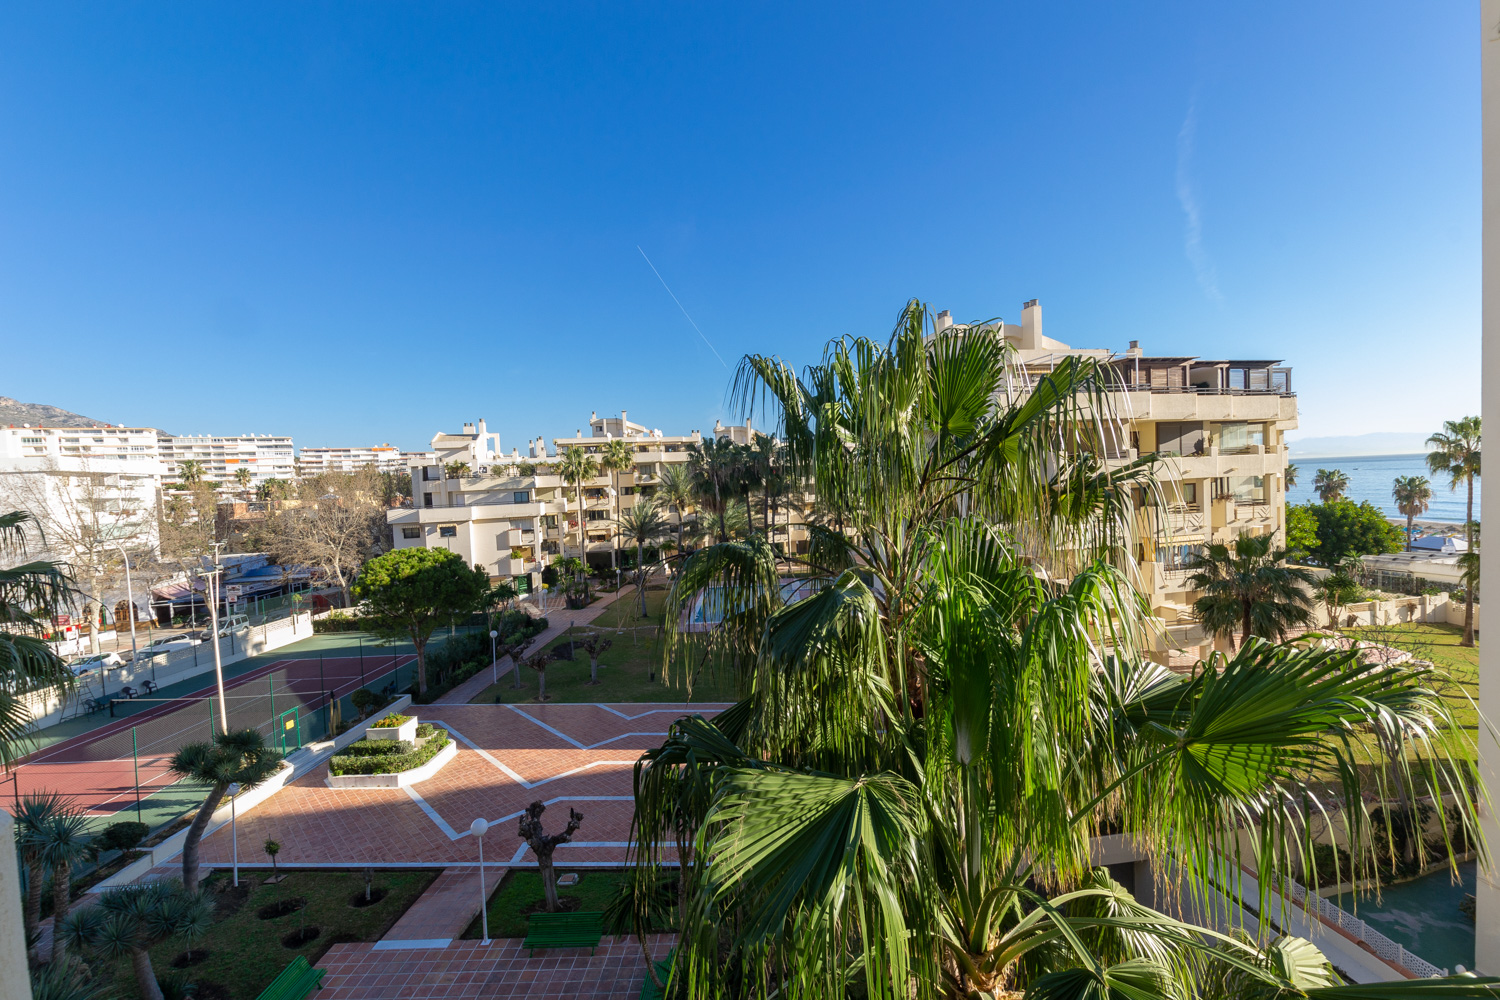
<point x="400" y="778"/>
<point x="406" y="731"/>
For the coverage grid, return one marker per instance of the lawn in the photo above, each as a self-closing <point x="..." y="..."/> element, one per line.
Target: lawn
<point x="629" y="671"/>
<point x="245" y="951"/>
<point x="1439" y="644"/>
<point x="521" y="891"/>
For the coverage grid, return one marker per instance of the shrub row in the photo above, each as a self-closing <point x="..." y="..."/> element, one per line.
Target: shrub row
<point x="378" y="748"/>
<point x="389" y="763"/>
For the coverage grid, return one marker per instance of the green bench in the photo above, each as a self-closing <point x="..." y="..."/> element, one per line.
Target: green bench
<point x="649" y="989"/>
<point x="564" y="930"/>
<point x="294" y="982"/>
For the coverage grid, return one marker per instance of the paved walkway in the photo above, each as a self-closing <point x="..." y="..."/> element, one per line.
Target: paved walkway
<point x="559" y="620"/>
<point x="441" y="914"/>
<point x="501" y="969"/>
<point x="567" y="755"/>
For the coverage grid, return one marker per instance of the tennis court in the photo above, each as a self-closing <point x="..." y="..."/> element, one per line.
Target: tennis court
<point x="293" y="700"/>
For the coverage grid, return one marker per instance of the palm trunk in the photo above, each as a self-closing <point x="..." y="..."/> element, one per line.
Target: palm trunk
<point x="541" y="685"/>
<point x="62" y="898"/>
<point x="195" y="834"/>
<point x="1469" y="547"/>
<point x="32" y="917"/>
<point x="1245" y="633"/>
<point x="640" y="572"/>
<point x="145" y="975"/>
<point x="1408" y="531"/>
<point x="421" y="647"/>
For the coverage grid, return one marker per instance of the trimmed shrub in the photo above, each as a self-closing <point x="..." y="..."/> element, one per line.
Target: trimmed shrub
<point x="389" y="763"/>
<point x="378" y="748"/>
<point x="123" y="836"/>
<point x="424" y="730"/>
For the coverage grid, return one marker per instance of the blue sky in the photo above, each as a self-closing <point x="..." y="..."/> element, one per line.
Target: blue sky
<point x="366" y="222"/>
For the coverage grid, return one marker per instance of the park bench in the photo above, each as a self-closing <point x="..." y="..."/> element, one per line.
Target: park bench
<point x="649" y="989"/>
<point x="294" y="982"/>
<point x="564" y="930"/>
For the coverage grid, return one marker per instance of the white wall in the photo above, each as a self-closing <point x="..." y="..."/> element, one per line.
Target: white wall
<point x="1487" y="924"/>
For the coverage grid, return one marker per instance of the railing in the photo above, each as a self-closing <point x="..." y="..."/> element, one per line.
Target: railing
<point x="439" y="502"/>
<point x="1359" y="930"/>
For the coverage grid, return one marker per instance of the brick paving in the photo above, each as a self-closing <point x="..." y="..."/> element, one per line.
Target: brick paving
<point x="501" y="969"/>
<point x="568" y="755"/>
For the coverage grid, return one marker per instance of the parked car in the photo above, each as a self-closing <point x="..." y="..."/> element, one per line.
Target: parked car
<point x="233" y="623"/>
<point x="95" y="662"/>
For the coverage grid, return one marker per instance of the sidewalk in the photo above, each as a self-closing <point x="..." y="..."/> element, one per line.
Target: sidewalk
<point x="441" y="914"/>
<point x="558" y="621"/>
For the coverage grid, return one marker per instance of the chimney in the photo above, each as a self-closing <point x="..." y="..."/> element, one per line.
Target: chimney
<point x="1031" y="325"/>
<point x="623" y="416"/>
<point x="1135" y="349"/>
<point x="593" y="415"/>
<point x="943" y="321"/>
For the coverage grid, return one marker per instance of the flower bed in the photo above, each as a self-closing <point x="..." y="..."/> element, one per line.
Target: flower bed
<point x="392" y="721"/>
<point x="387" y="756"/>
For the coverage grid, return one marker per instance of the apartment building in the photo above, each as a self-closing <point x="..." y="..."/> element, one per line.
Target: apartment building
<point x="385" y="458"/>
<point x="92" y="490"/>
<point x="511" y="512"/>
<point x="1219" y="426"/>
<point x="267" y="456"/>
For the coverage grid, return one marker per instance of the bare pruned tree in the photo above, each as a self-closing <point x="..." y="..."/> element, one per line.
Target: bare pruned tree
<point x="337" y="524"/>
<point x="542" y="845"/>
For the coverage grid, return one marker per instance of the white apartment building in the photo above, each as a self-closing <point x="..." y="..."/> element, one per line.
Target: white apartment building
<point x="1219" y="427"/>
<point x="267" y="456"/>
<point x="384" y="457"/>
<point x="514" y="524"/>
<point x="93" y="492"/>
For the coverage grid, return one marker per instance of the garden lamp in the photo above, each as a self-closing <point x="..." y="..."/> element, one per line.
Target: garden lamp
<point x="479" y="828"/>
<point x="234" y="833"/>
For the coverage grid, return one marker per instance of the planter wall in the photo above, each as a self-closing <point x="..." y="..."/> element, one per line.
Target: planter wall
<point x="406" y="731"/>
<point x="400" y="778"/>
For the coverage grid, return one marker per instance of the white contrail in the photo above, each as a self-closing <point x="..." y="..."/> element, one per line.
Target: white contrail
<point x="1187" y="196"/>
<point x="679" y="305"/>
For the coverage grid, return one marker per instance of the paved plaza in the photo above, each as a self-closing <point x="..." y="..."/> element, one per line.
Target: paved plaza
<point x="567" y="755"/>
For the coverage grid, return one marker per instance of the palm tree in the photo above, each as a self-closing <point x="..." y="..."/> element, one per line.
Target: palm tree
<point x="903" y="802"/>
<point x="241" y="757"/>
<point x="616" y="458"/>
<point x="1412" y="494"/>
<point x="1248" y="585"/>
<point x="675" y="487"/>
<point x="717" y="466"/>
<point x="642" y="524"/>
<point x="1330" y="484"/>
<point x="243" y="476"/>
<point x="1289" y="476"/>
<point x="456" y="470"/>
<point x="190" y="472"/>
<point x="62" y="841"/>
<point x="129" y="921"/>
<point x="1455" y="454"/>
<point x="32" y="591"/>
<point x="577" y="468"/>
<point x="34" y="813"/>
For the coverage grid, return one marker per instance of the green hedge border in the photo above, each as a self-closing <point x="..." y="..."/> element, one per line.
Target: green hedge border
<point x="389" y="763"/>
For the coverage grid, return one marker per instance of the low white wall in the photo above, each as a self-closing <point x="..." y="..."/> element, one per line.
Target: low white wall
<point x="47" y="708"/>
<point x="295" y="766"/>
<point x="400" y="778"/>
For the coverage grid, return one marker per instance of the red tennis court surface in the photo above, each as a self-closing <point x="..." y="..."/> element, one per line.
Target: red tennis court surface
<point x="100" y="768"/>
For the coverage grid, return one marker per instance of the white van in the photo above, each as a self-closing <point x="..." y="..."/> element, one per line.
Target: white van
<point x="233" y="623"/>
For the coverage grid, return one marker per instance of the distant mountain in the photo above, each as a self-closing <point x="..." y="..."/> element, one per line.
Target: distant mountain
<point x="13" y="411"/>
<point x="1358" y="444"/>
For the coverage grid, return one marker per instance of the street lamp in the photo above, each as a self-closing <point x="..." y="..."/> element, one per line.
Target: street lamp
<point x="494" y="665"/>
<point x="234" y="832"/>
<point x="479" y="828"/>
<point x="130" y="597"/>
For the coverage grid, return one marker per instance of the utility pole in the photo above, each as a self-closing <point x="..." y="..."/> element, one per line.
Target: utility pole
<point x="211" y="580"/>
<point x="129" y="597"/>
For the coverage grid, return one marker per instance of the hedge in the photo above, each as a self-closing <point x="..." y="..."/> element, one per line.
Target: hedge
<point x="389" y="763"/>
<point x="379" y="748"/>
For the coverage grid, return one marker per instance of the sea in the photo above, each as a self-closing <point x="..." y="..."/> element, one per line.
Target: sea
<point x="1370" y="478"/>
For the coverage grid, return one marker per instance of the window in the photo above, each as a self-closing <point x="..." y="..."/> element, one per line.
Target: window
<point x="1247" y="489"/>
<point x="1239" y="439"/>
<point x="521" y="496"/>
<point x="1176" y="556"/>
<point x="598" y="515"/>
<point x="448" y="531"/>
<point x="426" y="499"/>
<point x="411" y="532"/>
<point x="1180" y="439"/>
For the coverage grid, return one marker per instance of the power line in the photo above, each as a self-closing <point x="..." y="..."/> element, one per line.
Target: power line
<point x="679" y="305"/>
